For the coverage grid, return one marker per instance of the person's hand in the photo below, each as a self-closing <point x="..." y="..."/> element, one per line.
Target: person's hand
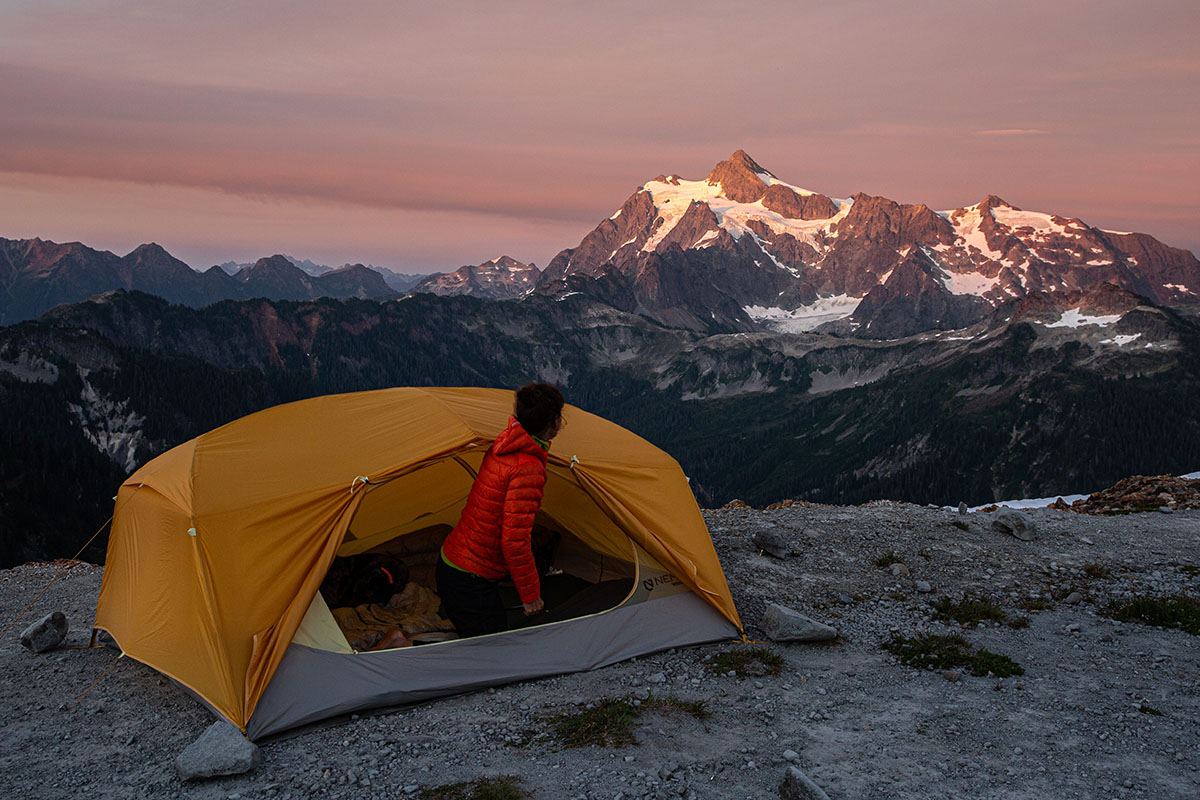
<point x="534" y="607"/>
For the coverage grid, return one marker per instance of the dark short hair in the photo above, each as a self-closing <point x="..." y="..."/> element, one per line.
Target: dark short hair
<point x="537" y="405"/>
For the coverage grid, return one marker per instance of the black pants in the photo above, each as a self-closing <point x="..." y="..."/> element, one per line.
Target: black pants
<point x="472" y="603"/>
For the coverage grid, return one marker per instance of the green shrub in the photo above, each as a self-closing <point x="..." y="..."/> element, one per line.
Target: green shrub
<point x="952" y="651"/>
<point x="1179" y="611"/>
<point x="968" y="611"/>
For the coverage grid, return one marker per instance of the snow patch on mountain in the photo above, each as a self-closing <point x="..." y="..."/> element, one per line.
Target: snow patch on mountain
<point x="1075" y="318"/>
<point x="805" y="318"/>
<point x="30" y="369"/>
<point x="1121" y="339"/>
<point x="672" y="200"/>
<point x="109" y="424"/>
<point x="968" y="282"/>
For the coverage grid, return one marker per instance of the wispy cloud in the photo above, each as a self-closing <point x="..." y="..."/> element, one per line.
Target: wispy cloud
<point x="1012" y="132"/>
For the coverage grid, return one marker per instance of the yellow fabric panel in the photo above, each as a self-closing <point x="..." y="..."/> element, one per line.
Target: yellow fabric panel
<point x="271" y="499"/>
<point x="323" y="443"/>
<point x="658" y="511"/>
<point x="152" y="598"/>
<point x="428" y="493"/>
<point x="170" y="474"/>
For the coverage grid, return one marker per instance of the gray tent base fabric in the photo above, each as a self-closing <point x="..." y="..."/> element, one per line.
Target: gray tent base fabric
<point x="312" y="685"/>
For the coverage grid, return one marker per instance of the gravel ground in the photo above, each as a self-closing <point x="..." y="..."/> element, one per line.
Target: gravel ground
<point x="1076" y="724"/>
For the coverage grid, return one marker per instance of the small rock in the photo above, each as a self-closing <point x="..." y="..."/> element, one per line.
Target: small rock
<point x="845" y="599"/>
<point x="641" y="694"/>
<point x="962" y="509"/>
<point x="220" y="750"/>
<point x="1166" y="510"/>
<point x="791" y="755"/>
<point x="924" y="587"/>
<point x="1015" y="524"/>
<point x="951" y="675"/>
<point x="1086" y="540"/>
<point x="1073" y="599"/>
<point x="1074" y="627"/>
<point x="47" y="633"/>
<point x="783" y="624"/>
<point x="798" y="786"/>
<point x="657" y="677"/>
<point x="772" y="542"/>
<point x="899" y="569"/>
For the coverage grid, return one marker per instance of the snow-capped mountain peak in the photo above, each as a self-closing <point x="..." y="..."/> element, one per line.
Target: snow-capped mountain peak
<point x="775" y="248"/>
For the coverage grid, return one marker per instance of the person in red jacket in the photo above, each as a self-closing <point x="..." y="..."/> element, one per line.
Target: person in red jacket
<point x="492" y="538"/>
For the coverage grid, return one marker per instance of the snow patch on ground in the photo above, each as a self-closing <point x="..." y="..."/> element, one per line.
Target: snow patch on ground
<point x="1121" y="339"/>
<point x="805" y="318"/>
<point x="1075" y="317"/>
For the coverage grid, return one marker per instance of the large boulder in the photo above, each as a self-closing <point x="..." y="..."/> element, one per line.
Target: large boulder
<point x="798" y="786"/>
<point x="772" y="542"/>
<point x="220" y="750"/>
<point x="1015" y="524"/>
<point x="47" y="633"/>
<point x="783" y="624"/>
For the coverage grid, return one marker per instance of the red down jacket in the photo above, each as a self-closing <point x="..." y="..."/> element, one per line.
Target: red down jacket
<point x="492" y="538"/>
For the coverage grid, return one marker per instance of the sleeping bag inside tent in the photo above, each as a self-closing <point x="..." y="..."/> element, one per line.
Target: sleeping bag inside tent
<point x="219" y="548"/>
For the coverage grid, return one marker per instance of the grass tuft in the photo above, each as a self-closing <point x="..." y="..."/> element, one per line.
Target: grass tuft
<point x="1096" y="570"/>
<point x="753" y="661"/>
<point x="968" y="611"/>
<point x="887" y="559"/>
<point x="930" y="651"/>
<point x="610" y="722"/>
<point x="1017" y="623"/>
<point x="962" y="525"/>
<point x="1178" y="611"/>
<point x="504" y="787"/>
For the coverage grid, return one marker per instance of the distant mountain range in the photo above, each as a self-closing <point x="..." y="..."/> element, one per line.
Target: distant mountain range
<point x="37" y="275"/>
<point x="397" y="281"/>
<point x="740" y="250"/>
<point x="778" y="342"/>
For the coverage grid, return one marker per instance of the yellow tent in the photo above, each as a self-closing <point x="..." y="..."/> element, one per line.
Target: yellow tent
<point x="218" y="548"/>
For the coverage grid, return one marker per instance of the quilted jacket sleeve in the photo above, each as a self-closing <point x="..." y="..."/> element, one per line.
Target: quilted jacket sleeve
<point x="522" y="500"/>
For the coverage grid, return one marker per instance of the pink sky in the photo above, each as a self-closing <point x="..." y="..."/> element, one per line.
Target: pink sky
<point x="423" y="136"/>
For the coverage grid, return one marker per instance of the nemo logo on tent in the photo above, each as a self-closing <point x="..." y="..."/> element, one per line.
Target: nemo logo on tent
<point x="651" y="583"/>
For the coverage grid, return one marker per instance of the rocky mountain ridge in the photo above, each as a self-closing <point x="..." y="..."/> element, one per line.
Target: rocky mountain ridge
<point x="1034" y="404"/>
<point x="502" y="278"/>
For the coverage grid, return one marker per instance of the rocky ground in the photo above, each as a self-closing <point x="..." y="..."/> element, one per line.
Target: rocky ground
<point x="1104" y="709"/>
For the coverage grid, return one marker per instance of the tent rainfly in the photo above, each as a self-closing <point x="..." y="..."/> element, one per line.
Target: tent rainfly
<point x="219" y="546"/>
